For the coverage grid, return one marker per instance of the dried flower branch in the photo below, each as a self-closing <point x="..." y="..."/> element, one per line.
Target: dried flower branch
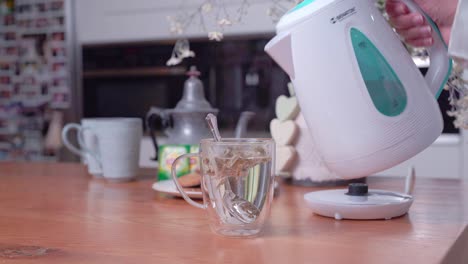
<point x="458" y="98"/>
<point x="213" y="17"/>
<point x="180" y="52"/>
<point x="214" y="14"/>
<point x="280" y="7"/>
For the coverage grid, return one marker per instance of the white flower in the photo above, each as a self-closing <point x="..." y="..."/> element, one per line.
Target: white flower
<point x="274" y="13"/>
<point x="224" y="22"/>
<point x="187" y="54"/>
<point x="175" y="25"/>
<point x="270" y="11"/>
<point x="207" y="7"/>
<point x="215" y="35"/>
<point x="180" y="52"/>
<point x="173" y="61"/>
<point x="176" y="28"/>
<point x="182" y="49"/>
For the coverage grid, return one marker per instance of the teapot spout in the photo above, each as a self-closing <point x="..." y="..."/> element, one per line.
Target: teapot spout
<point x="279" y="48"/>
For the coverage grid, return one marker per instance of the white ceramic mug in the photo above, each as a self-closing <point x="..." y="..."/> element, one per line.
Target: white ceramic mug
<point x="88" y="146"/>
<point x="118" y="146"/>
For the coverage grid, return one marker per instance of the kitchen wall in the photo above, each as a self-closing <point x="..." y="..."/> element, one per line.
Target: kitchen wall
<point x="110" y="21"/>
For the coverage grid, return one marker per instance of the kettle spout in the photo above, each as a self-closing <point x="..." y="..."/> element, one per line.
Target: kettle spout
<point x="279" y="48"/>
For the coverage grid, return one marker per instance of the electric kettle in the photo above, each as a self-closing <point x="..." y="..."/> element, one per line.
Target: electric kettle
<point x="365" y="102"/>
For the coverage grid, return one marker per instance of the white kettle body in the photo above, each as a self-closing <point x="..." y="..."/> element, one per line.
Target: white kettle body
<point x="365" y="102"/>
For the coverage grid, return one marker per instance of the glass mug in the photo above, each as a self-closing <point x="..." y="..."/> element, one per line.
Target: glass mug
<point x="237" y="183"/>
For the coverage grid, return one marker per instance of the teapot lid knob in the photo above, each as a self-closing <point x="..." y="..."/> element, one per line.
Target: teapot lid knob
<point x="193" y="71"/>
<point x="193" y="98"/>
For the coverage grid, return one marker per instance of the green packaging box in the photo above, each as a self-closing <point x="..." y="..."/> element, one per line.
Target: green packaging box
<point x="168" y="153"/>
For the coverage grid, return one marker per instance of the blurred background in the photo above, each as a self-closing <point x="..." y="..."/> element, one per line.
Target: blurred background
<point x="64" y="60"/>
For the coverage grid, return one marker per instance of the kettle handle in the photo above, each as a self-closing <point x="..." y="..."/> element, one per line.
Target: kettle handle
<point x="441" y="65"/>
<point x="151" y="116"/>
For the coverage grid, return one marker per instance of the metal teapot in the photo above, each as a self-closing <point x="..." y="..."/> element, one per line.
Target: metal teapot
<point x="185" y="124"/>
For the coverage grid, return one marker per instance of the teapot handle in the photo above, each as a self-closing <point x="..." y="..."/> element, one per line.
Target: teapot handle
<point x="150" y="119"/>
<point x="441" y="65"/>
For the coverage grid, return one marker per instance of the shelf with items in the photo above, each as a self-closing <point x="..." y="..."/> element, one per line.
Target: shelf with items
<point x="8" y="131"/>
<point x="42" y="15"/>
<point x="8" y="43"/>
<point x="39" y="31"/>
<point x="6" y="92"/>
<point x="39" y="5"/>
<point x="57" y="59"/>
<point x="41" y="23"/>
<point x="57" y="44"/>
<point x="33" y="73"/>
<point x="8" y="53"/>
<point x="7" y="29"/>
<point x="7" y="73"/>
<point x="33" y="100"/>
<point x="8" y="57"/>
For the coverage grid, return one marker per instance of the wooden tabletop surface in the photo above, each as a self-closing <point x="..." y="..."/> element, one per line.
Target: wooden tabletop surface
<point x="57" y="213"/>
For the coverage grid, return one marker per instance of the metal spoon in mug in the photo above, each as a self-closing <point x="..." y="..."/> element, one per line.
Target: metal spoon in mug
<point x="213" y="125"/>
<point x="241" y="209"/>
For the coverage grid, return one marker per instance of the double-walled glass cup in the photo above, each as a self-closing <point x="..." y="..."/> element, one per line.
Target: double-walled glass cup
<point x="237" y="183"/>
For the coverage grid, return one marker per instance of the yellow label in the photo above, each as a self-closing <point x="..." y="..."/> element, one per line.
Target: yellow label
<point x="167" y="156"/>
<point x="194" y="161"/>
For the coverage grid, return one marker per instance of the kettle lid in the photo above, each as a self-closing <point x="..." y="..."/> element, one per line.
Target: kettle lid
<point x="193" y="98"/>
<point x="301" y="12"/>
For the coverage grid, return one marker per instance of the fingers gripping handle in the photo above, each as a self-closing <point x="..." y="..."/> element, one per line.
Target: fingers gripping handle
<point x="441" y="64"/>
<point x="179" y="187"/>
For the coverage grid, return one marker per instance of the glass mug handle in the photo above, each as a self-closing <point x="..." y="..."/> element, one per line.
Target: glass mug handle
<point x="179" y="187"/>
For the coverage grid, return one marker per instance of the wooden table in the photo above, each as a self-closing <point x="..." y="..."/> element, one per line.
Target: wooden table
<point x="57" y="213"/>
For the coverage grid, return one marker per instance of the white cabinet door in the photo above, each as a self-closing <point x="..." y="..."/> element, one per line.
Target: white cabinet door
<point x="110" y="21"/>
<point x="443" y="159"/>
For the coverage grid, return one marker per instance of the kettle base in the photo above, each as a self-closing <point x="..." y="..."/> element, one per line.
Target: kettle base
<point x="332" y="183"/>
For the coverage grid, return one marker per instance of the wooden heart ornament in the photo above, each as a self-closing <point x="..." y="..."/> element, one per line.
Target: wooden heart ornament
<point x="309" y="164"/>
<point x="284" y="132"/>
<point x="287" y="108"/>
<point x="285" y="156"/>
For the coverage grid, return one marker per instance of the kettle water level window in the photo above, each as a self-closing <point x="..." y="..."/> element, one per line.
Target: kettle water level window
<point x="385" y="88"/>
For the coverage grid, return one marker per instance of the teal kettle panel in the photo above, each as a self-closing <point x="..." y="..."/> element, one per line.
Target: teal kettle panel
<point x="385" y="88"/>
<point x="301" y="5"/>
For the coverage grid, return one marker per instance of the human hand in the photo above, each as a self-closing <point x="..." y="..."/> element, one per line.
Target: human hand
<point x="414" y="28"/>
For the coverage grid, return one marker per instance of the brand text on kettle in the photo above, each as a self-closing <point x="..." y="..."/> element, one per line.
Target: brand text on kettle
<point x="343" y="15"/>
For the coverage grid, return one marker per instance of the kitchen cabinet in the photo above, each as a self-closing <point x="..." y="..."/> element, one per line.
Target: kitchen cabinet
<point x="111" y="21"/>
<point x="446" y="158"/>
